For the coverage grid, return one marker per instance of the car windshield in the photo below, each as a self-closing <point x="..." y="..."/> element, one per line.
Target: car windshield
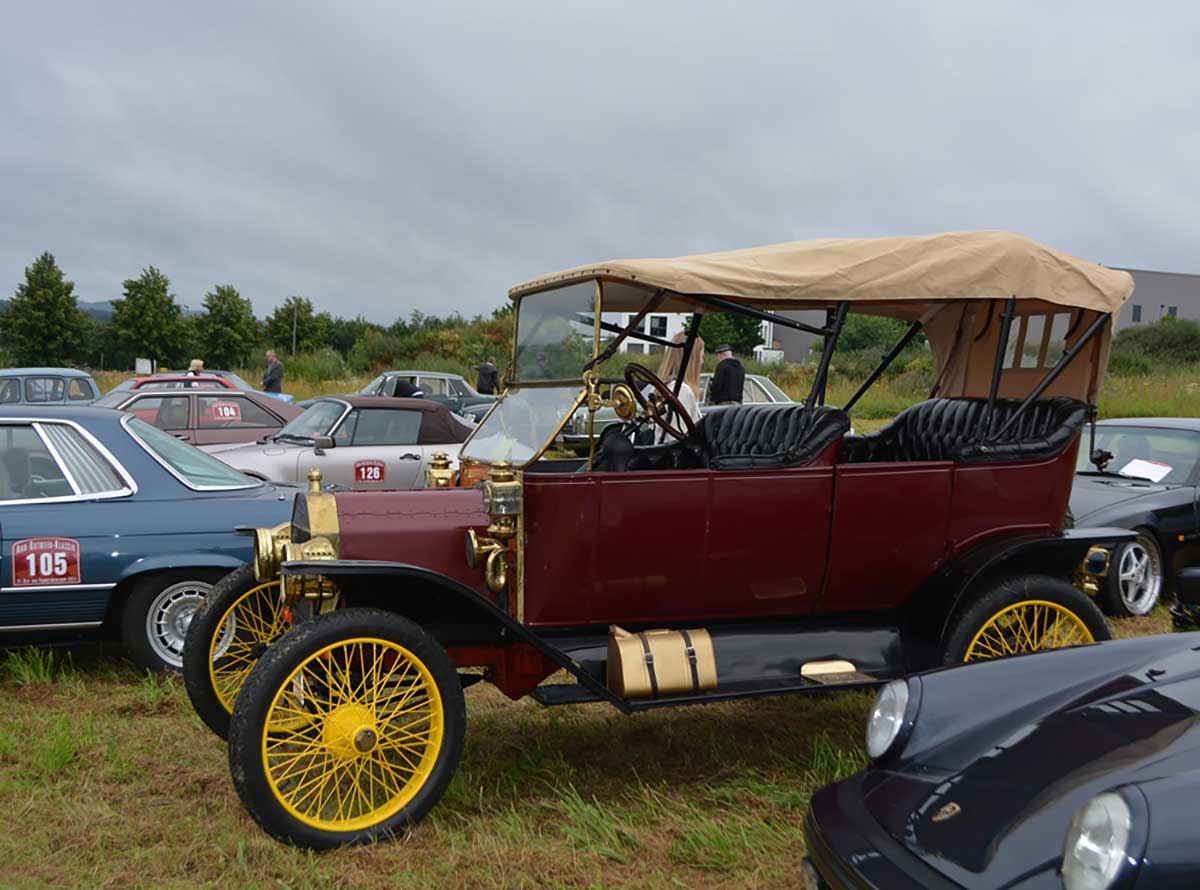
<point x="237" y="381"/>
<point x="316" y="421"/>
<point x="555" y="333"/>
<point x="1155" y="454"/>
<point x="113" y="399"/>
<point x="521" y="423"/>
<point x="372" y="387"/>
<point x="193" y="467"/>
<point x="769" y="385"/>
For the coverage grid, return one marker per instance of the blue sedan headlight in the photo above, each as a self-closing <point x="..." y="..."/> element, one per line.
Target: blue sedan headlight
<point x="1097" y="843"/>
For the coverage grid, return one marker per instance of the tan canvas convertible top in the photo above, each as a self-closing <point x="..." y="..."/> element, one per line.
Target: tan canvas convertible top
<point x="909" y="269"/>
<point x="951" y="282"/>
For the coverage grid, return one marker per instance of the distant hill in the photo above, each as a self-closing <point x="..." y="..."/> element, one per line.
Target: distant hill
<point x="101" y="310"/>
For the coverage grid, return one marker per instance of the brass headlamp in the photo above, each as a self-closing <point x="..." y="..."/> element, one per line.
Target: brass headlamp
<point x="439" y="474"/>
<point x="312" y="534"/>
<point x="1094" y="566"/>
<point x="489" y="551"/>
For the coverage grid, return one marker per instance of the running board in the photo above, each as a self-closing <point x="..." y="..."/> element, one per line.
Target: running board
<point x="573" y="694"/>
<point x="564" y="694"/>
<point x="751" y="689"/>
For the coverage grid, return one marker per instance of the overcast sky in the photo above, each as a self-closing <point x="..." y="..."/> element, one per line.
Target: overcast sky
<point x="385" y="157"/>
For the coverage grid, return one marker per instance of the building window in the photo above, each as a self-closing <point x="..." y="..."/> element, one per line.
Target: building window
<point x="1137" y="313"/>
<point x="633" y="348"/>
<point x="1173" y="311"/>
<point x="658" y="325"/>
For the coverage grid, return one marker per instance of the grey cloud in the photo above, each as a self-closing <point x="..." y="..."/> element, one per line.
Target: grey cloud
<point x="381" y="157"/>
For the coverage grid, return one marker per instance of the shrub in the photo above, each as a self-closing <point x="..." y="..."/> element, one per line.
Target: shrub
<point x="323" y="364"/>
<point x="1166" y="341"/>
<point x="1129" y="362"/>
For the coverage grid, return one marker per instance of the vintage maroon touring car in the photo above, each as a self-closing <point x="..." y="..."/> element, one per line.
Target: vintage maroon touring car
<point x="762" y="550"/>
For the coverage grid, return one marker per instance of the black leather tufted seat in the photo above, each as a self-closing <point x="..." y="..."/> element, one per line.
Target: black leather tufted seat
<point x="740" y="437"/>
<point x="948" y="429"/>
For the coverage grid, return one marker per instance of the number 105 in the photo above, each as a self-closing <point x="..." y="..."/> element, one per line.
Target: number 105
<point x="47" y="564"/>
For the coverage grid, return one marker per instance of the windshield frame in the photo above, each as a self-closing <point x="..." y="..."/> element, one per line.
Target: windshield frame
<point x="511" y="377"/>
<point x="346" y="408"/>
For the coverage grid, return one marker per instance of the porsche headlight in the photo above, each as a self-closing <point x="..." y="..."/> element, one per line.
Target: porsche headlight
<point x="1097" y="843"/>
<point x="887" y="718"/>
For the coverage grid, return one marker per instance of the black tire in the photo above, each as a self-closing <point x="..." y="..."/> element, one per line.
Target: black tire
<point x="1002" y="594"/>
<point x="1132" y="599"/>
<point x="155" y="642"/>
<point x="304" y="653"/>
<point x="237" y="644"/>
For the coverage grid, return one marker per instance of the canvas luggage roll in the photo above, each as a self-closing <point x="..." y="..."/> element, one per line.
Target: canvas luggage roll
<point x="660" y="662"/>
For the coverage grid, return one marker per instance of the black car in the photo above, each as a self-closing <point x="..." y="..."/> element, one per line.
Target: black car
<point x="1076" y="768"/>
<point x="1146" y="481"/>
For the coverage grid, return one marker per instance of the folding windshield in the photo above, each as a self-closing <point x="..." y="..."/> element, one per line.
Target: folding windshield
<point x="556" y="333"/>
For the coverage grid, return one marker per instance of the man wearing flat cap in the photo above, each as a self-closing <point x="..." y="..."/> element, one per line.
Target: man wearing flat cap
<point x="725" y="388"/>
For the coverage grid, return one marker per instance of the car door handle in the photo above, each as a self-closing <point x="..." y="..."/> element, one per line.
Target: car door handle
<point x="410" y="456"/>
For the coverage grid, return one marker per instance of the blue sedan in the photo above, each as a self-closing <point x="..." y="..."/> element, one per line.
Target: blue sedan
<point x="111" y="526"/>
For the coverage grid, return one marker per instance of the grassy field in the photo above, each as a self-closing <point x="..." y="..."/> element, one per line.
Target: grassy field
<point x="110" y="780"/>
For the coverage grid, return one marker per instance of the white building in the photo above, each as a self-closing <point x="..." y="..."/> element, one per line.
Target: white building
<point x="657" y="324"/>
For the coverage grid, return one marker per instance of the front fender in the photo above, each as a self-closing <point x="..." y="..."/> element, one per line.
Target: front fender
<point x="454" y="613"/>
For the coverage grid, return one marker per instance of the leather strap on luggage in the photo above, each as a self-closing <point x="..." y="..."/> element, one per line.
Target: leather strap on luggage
<point x="691" y="656"/>
<point x="649" y="656"/>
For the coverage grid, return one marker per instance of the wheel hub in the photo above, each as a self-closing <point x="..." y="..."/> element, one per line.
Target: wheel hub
<point x="350" y="731"/>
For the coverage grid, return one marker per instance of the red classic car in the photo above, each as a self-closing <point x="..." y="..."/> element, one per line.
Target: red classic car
<point x="647" y="573"/>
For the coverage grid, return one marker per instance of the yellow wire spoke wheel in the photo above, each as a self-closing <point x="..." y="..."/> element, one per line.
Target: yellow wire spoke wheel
<point x="1028" y="626"/>
<point x="352" y="734"/>
<point x="348" y="729"/>
<point x="239" y="620"/>
<point x="243" y="632"/>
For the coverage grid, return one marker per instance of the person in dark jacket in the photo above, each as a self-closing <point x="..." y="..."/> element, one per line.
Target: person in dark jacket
<point x="488" y="381"/>
<point x="725" y="388"/>
<point x="272" y="380"/>
<point x="405" y="390"/>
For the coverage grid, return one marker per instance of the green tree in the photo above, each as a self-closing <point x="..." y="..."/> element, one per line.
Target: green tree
<point x="874" y="332"/>
<point x="227" y="333"/>
<point x="309" y="328"/>
<point x="742" y="332"/>
<point x="43" y="325"/>
<point x="148" y="322"/>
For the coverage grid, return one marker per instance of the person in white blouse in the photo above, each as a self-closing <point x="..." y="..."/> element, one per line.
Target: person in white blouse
<point x="668" y="372"/>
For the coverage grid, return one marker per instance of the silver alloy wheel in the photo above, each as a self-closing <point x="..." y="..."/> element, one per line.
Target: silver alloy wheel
<point x="168" y="618"/>
<point x="1140" y="575"/>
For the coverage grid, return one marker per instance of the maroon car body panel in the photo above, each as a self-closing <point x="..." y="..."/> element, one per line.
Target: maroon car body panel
<point x="685" y="546"/>
<point x="426" y="528"/>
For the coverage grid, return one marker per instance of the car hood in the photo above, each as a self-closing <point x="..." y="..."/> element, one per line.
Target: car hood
<point x="1090" y="494"/>
<point x="266" y="449"/>
<point x="1000" y="805"/>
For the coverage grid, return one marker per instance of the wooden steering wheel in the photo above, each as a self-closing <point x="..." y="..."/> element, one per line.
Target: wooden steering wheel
<point x="638" y="376"/>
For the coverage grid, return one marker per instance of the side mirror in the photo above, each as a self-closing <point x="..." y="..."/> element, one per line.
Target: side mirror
<point x="322" y="444"/>
<point x="1187" y="585"/>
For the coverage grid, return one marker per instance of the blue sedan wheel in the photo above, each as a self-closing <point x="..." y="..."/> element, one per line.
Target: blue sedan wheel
<point x="156" y="618"/>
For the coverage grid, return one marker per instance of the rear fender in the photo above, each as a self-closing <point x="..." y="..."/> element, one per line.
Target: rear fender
<point x="929" y="615"/>
<point x="473" y="629"/>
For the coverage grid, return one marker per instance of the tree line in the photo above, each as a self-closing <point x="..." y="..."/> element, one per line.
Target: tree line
<point x="44" y="325"/>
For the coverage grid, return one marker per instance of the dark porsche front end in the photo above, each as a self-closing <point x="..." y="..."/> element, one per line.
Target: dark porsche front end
<point x="996" y="769"/>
